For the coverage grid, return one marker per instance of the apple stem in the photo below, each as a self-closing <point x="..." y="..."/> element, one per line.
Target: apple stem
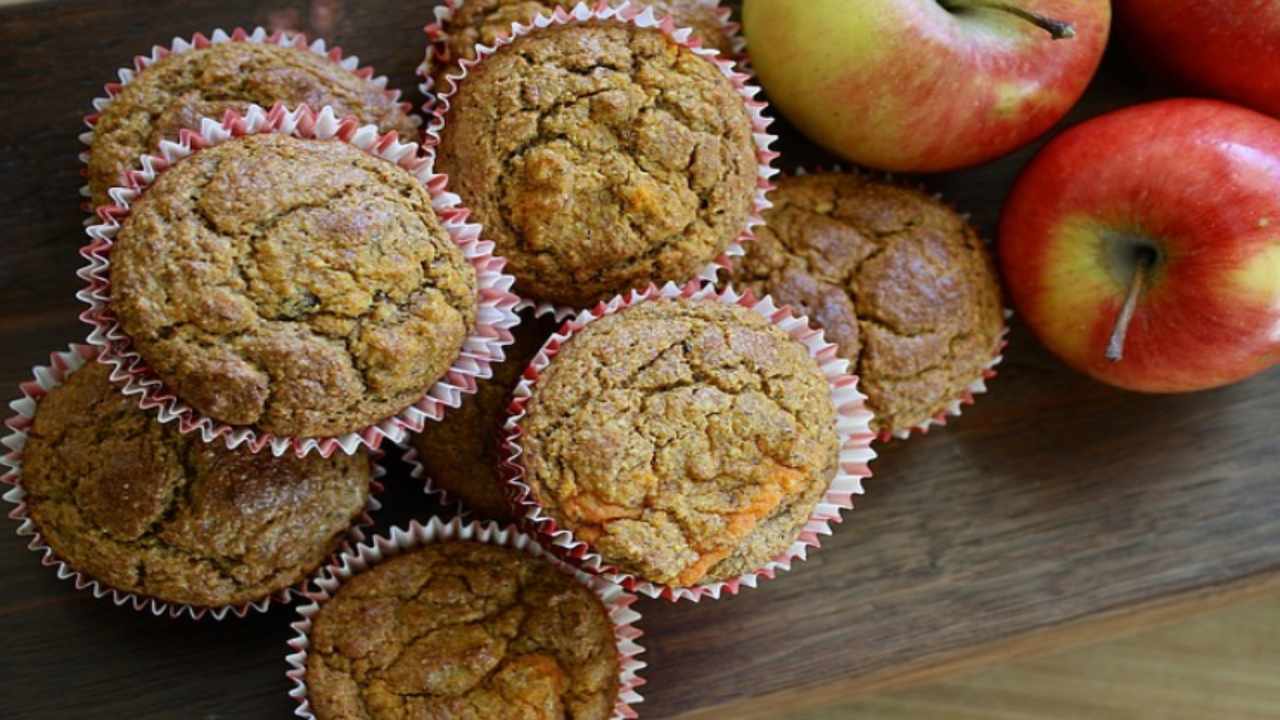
<point x="1115" y="346"/>
<point x="1057" y="29"/>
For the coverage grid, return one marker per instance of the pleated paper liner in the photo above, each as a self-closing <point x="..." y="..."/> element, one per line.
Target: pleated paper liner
<point x="495" y="314"/>
<point x="438" y="53"/>
<point x="627" y="12"/>
<point x="452" y="506"/>
<point x="200" y="41"/>
<point x="852" y="425"/>
<point x="400" y="540"/>
<point x="44" y="379"/>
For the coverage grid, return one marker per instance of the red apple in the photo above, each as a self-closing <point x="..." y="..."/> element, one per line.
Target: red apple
<point x="925" y="85"/>
<point x="1174" y="205"/>
<point x="1227" y="48"/>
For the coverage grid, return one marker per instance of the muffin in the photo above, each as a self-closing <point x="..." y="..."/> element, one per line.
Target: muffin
<point x="298" y="287"/>
<point x="686" y="441"/>
<point x="462" y="630"/>
<point x="899" y="282"/>
<point x="461" y="453"/>
<point x="482" y="22"/>
<point x="147" y="510"/>
<point x="600" y="157"/>
<point x="179" y="89"/>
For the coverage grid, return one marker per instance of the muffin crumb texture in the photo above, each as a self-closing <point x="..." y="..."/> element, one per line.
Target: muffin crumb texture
<point x="601" y="157"/>
<point x="466" y="631"/>
<point x="461" y="453"/>
<point x="299" y="287"/>
<point x="686" y="441"/>
<point x="176" y="91"/>
<point x="898" y="281"/>
<point x="148" y="510"/>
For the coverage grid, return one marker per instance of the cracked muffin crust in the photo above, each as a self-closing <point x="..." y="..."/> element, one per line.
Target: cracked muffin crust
<point x="179" y="89"/>
<point x="466" y="631"/>
<point x="900" y="283"/>
<point x="461" y="453"/>
<point x="482" y="22"/>
<point x="686" y="441"/>
<point x="301" y="287"/>
<point x="146" y="509"/>
<point x="600" y="157"/>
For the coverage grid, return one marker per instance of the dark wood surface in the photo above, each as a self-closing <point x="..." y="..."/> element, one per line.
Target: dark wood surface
<point x="1055" y="505"/>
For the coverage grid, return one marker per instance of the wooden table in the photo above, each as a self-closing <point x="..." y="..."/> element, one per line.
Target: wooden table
<point x="1056" y="510"/>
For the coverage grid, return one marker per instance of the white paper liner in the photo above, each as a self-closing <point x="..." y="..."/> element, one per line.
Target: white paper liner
<point x="199" y="41"/>
<point x="626" y="12"/>
<point x="852" y="425"/>
<point x="418" y="472"/>
<point x="46" y="378"/>
<point x="495" y="312"/>
<point x="616" y="602"/>
<point x="437" y="52"/>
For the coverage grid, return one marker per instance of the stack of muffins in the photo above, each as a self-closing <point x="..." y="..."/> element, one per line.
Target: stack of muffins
<point x="280" y="280"/>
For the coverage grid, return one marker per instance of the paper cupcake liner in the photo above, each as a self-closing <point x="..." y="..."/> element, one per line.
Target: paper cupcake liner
<point x="626" y="12"/>
<point x="399" y="540"/>
<point x="438" y="51"/>
<point x="495" y="314"/>
<point x="199" y="41"/>
<point x="418" y="472"/>
<point x="44" y="379"/>
<point x="852" y="424"/>
<point x="955" y="407"/>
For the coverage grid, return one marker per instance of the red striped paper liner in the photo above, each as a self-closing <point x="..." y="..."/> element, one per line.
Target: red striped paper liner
<point x="626" y="12"/>
<point x="400" y="540"/>
<point x="200" y="41"/>
<point x="852" y="425"/>
<point x="437" y="51"/>
<point x="44" y="379"/>
<point x="495" y="313"/>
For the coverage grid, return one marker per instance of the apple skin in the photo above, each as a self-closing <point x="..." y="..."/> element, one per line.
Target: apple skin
<point x="1197" y="181"/>
<point x="1225" y="48"/>
<point x="907" y="86"/>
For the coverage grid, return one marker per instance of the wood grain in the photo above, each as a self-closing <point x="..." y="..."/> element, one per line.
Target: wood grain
<point x="1054" y="505"/>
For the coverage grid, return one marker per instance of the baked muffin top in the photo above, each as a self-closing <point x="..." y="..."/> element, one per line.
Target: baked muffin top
<point x="462" y="630"/>
<point x="899" y="282"/>
<point x="461" y="453"/>
<point x="600" y="157"/>
<point x="482" y="22"/>
<point x="176" y="91"/>
<point x="148" y="510"/>
<point x="686" y="441"/>
<point x="301" y="287"/>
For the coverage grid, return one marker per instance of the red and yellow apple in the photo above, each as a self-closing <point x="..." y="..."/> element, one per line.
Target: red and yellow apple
<point x="925" y="85"/>
<point x="1175" y="204"/>
<point x="1226" y="48"/>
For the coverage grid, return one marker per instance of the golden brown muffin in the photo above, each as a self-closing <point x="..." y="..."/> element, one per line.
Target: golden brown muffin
<point x="461" y="453"/>
<point x="686" y="441"/>
<point x="301" y="287"/>
<point x="465" y="631"/>
<point x="482" y="22"/>
<point x="600" y="157"/>
<point x="178" y="90"/>
<point x="900" y="283"/>
<point x="148" y="510"/>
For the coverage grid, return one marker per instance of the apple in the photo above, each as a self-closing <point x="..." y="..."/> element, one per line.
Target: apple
<point x="1143" y="246"/>
<point x="925" y="85"/>
<point x="1227" y="48"/>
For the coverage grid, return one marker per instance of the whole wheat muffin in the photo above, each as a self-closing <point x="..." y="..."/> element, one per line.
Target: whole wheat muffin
<point x="462" y="630"/>
<point x="600" y="157"/>
<point x="686" y="441"/>
<point x="178" y="90"/>
<point x="482" y="22"/>
<point x="300" y="287"/>
<point x="148" y="510"/>
<point x="461" y="453"/>
<point x="900" y="283"/>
